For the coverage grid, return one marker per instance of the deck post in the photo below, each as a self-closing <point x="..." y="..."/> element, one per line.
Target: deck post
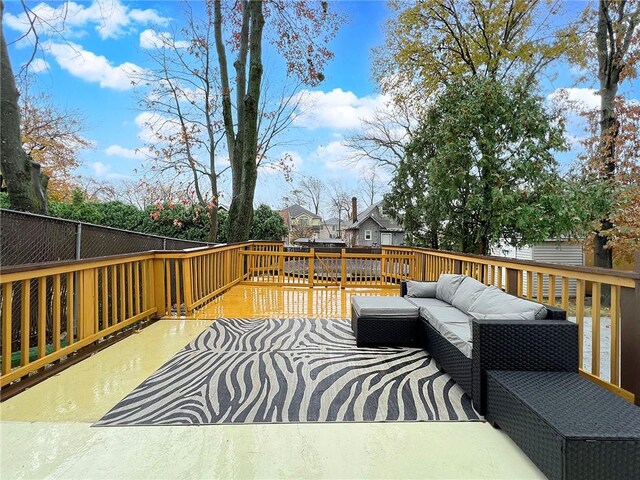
<point x="457" y="267"/>
<point x="310" y="270"/>
<point x="630" y="337"/>
<point x="512" y="281"/>
<point x="343" y="268"/>
<point x="88" y="303"/>
<point x="159" y="286"/>
<point x="187" y="285"/>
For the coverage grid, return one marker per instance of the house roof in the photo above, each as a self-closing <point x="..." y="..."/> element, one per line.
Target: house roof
<point x="295" y="211"/>
<point x="335" y="221"/>
<point x="386" y="224"/>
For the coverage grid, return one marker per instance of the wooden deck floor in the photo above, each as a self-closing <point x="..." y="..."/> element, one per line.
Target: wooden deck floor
<point x="251" y="301"/>
<point x="46" y="431"/>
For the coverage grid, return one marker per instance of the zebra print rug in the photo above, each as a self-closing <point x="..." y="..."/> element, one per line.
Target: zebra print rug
<point x="290" y="370"/>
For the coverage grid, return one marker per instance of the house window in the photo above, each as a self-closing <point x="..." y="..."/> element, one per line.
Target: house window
<point x="304" y="221"/>
<point x="367" y="234"/>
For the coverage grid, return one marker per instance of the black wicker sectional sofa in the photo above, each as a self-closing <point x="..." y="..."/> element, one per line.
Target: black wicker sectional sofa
<point x="470" y="329"/>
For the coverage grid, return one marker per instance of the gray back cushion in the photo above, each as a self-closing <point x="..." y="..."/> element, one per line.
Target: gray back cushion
<point x="467" y="293"/>
<point x="447" y="285"/>
<point x="493" y="300"/>
<point x="421" y="289"/>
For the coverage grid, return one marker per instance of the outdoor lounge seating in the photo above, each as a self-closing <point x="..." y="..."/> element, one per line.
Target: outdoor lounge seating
<point x="569" y="427"/>
<point x="518" y="361"/>
<point x="390" y="321"/>
<point x="469" y="329"/>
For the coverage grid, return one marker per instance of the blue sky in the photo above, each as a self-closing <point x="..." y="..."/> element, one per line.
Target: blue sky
<point x="87" y="71"/>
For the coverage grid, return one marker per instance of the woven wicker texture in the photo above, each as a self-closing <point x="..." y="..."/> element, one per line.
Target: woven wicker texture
<point x="537" y="345"/>
<point x="568" y="426"/>
<point x="448" y="357"/>
<point x="398" y="332"/>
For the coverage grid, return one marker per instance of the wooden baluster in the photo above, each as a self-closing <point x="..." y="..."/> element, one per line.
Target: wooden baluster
<point x="42" y="317"/>
<point x="595" y="328"/>
<point x="25" y="323"/>
<point x="7" y="304"/>
<point x="123" y="296"/>
<point x="57" y="294"/>
<point x="136" y="284"/>
<point x="565" y="293"/>
<point x="529" y="284"/>
<point x="169" y="287"/>
<point x="615" y="335"/>
<point x="130" y="289"/>
<point x="580" y="319"/>
<point x="105" y="298"/>
<point x="70" y="308"/>
<point x="552" y="290"/>
<point x="179" y="280"/>
<point x="540" y="287"/>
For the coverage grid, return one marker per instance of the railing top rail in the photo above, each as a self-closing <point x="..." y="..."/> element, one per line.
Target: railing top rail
<point x="486" y="259"/>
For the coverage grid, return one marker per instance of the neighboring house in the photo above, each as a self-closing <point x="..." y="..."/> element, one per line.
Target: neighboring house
<point x="373" y="227"/>
<point x="559" y="252"/>
<point x="333" y="228"/>
<point x="300" y="222"/>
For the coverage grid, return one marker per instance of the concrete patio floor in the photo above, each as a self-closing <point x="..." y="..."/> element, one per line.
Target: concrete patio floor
<point x="46" y="431"/>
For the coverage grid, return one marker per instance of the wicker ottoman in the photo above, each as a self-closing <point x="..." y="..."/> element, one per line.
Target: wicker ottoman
<point x="568" y="426"/>
<point x="384" y="321"/>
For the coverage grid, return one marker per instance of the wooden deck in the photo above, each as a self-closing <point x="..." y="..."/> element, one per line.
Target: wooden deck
<point x="46" y="431"/>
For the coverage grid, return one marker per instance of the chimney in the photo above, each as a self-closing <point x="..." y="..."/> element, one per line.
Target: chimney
<point x="354" y="209"/>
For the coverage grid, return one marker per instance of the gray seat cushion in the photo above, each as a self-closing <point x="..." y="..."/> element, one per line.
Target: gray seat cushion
<point x="384" y="307"/>
<point x="437" y="315"/>
<point x="421" y="289"/>
<point x="467" y="293"/>
<point x="494" y="300"/>
<point x="447" y="285"/>
<point x="459" y="335"/>
<point x="427" y="302"/>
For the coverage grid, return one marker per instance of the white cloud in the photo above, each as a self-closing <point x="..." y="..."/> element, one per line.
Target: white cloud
<point x="334" y="156"/>
<point x="104" y="171"/>
<point x="94" y="68"/>
<point x="337" y="109"/>
<point x="38" y="65"/>
<point x="586" y="97"/>
<point x="111" y="18"/>
<point x="154" y="128"/>
<point x="149" y="38"/>
<point x="118" y="151"/>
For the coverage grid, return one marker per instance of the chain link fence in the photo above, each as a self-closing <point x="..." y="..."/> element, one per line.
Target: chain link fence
<point x="28" y="238"/>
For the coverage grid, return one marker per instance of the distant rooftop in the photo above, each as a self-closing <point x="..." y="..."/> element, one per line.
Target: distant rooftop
<point x="386" y="223"/>
<point x="295" y="211"/>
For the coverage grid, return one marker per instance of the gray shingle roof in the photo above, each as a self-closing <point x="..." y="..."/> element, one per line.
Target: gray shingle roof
<point x="296" y="210"/>
<point x="386" y="223"/>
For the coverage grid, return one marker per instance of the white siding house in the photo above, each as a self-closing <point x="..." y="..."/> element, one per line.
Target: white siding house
<point x="560" y="252"/>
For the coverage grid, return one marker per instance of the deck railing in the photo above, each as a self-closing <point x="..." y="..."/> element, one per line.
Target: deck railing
<point x="51" y="311"/>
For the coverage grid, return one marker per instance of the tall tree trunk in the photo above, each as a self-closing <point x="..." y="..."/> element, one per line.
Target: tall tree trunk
<point x="241" y="211"/>
<point x="614" y="36"/>
<point x="23" y="177"/>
